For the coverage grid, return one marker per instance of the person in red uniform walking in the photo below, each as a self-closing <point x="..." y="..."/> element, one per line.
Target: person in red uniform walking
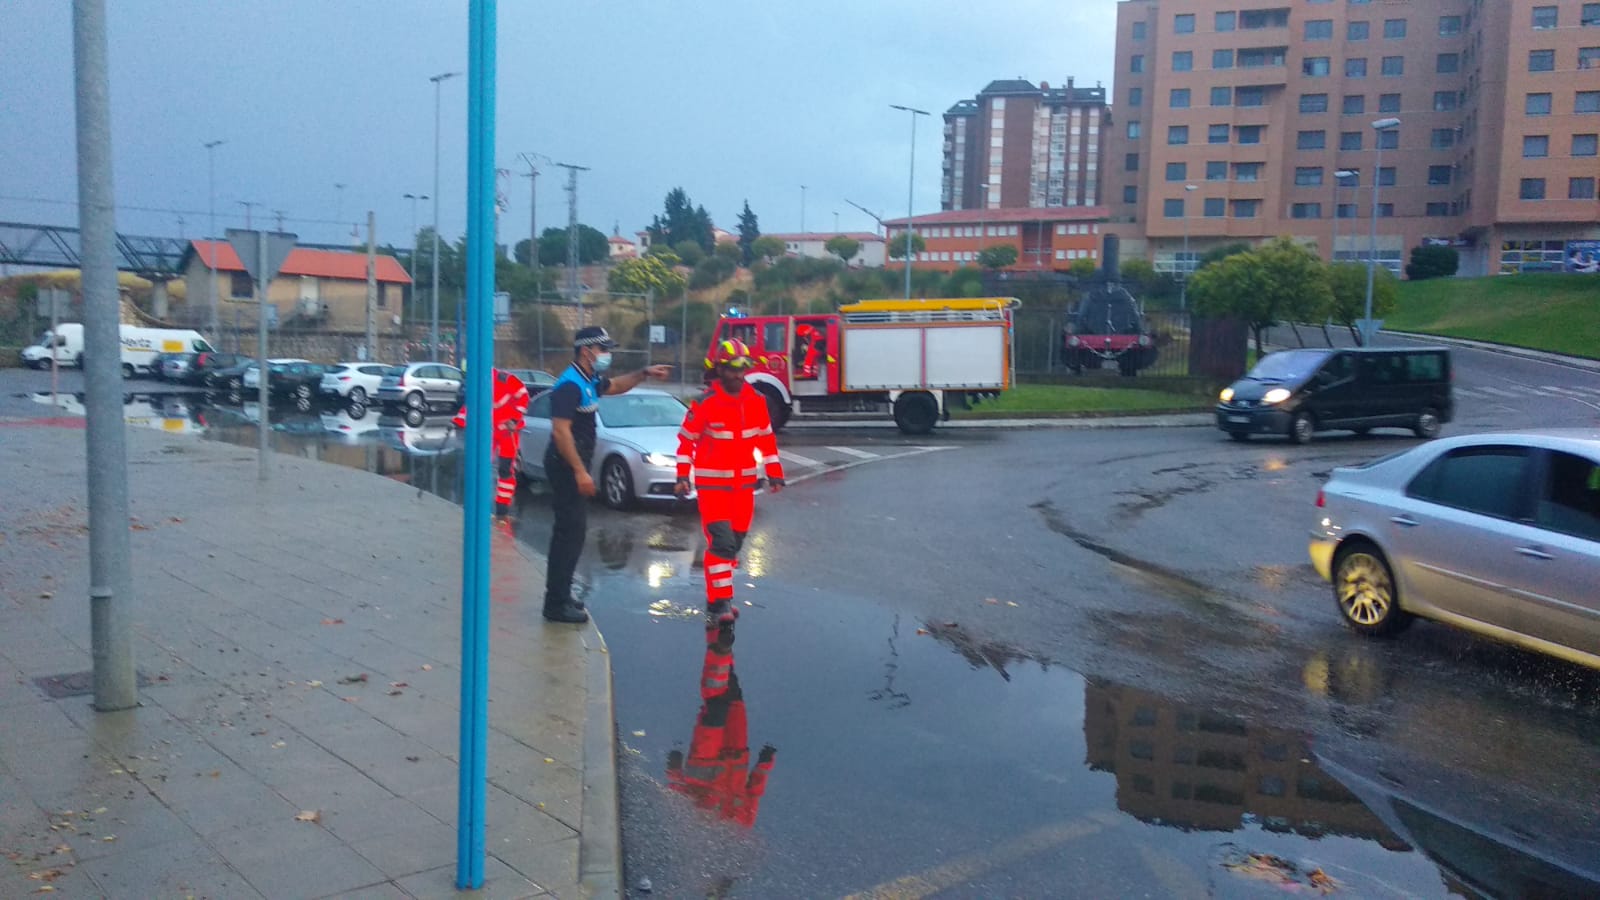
<point x="726" y="439"/>
<point x="510" y="402"/>
<point x="717" y="775"/>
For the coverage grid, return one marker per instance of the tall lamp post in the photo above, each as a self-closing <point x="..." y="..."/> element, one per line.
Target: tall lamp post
<point x="413" y="198"/>
<point x="1380" y="126"/>
<point x="1183" y="286"/>
<point x="433" y="296"/>
<point x="802" y="214"/>
<point x="1338" y="182"/>
<point x="211" y="186"/>
<point x="911" y="185"/>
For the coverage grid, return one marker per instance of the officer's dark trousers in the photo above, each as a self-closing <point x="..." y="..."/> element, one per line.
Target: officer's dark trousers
<point x="566" y="534"/>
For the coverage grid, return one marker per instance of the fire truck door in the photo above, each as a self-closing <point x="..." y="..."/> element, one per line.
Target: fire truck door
<point x="809" y="362"/>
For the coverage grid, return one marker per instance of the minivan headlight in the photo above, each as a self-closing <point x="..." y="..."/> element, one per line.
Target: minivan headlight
<point x="1227" y="395"/>
<point x="1276" y="395"/>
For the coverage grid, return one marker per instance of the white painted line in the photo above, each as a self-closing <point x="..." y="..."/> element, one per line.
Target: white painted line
<point x="858" y="454"/>
<point x="1568" y="392"/>
<point x="797" y="459"/>
<point x="1499" y="393"/>
<point x="1469" y="393"/>
<point x="914" y="451"/>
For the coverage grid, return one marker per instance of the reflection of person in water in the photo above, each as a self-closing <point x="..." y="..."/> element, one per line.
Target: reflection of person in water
<point x="717" y="774"/>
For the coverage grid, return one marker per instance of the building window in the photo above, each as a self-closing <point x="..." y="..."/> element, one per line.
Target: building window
<point x="1217" y="170"/>
<point x="1262" y="57"/>
<point x="1386" y="176"/>
<point x="1313" y="103"/>
<point x="1438" y="209"/>
<point x="1314" y="66"/>
<point x="1319" y="30"/>
<point x="1133" y="130"/>
<point x="1589" y="57"/>
<point x="1222" y="59"/>
<point x="1183" y="23"/>
<point x="1215" y="208"/>
<point x="1357" y="31"/>
<point x="1537" y="105"/>
<point x="1311" y="140"/>
<point x="1442" y="138"/>
<point x="1177" y="135"/>
<point x="1586" y="102"/>
<point x="1136" y="63"/>
<point x="1250" y="96"/>
<point x="1449" y="26"/>
<point x="1393" y="66"/>
<point x="1444" y="101"/>
<point x="1389" y="139"/>
<point x="1440" y="175"/>
<point x="1541" y="60"/>
<point x="1355" y="68"/>
<point x="1247" y="171"/>
<point x="1586" y="145"/>
<point x="1535" y="146"/>
<point x="1580" y="188"/>
<point x="1178" y="98"/>
<point x="1136" y="96"/>
<point x="241" y="285"/>
<point x="1545" y="17"/>
<point x="1172" y="208"/>
<point x="1385" y="210"/>
<point x="1532" y="189"/>
<point x="1130" y="163"/>
<point x="1591" y="15"/>
<point x="1130" y="194"/>
<point x="1349" y="140"/>
<point x="1345" y="210"/>
<point x="1227" y="21"/>
<point x="1264" y="18"/>
<point x="1308" y="176"/>
<point x="1217" y="134"/>
<point x="1305" y="211"/>
<point x="1394" y="29"/>
<point x="1177" y="171"/>
<point x="1182" y="61"/>
<point x="1389" y="103"/>
<point x="1354" y="104"/>
<point x="1246" y="209"/>
<point x="1248" y="134"/>
<point x="1447" y="63"/>
<point x="1222" y="96"/>
<point x="1138" y="31"/>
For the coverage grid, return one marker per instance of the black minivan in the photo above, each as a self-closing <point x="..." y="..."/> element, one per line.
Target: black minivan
<point x="1299" y="392"/>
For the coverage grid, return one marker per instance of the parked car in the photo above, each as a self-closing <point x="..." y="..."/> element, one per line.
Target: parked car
<point x="1300" y="392"/>
<point x="1495" y="533"/>
<point x="172" y="366"/>
<point x="421" y="386"/>
<point x="231" y="378"/>
<point x="207" y="365"/>
<point x="356" y="382"/>
<point x="636" y="445"/>
<point x="297" y="379"/>
<point x="537" y="380"/>
<point x="252" y="376"/>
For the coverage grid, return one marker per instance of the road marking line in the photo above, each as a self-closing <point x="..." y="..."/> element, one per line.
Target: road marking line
<point x="1469" y="393"/>
<point x="858" y="454"/>
<point x="797" y="459"/>
<point x="964" y="869"/>
<point x="840" y="467"/>
<point x="1569" y="392"/>
<point x="1499" y="393"/>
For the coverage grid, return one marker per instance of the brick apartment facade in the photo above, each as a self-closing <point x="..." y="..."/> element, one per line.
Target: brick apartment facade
<point x="1258" y="104"/>
<point x="1031" y="146"/>
<point x="1049" y="238"/>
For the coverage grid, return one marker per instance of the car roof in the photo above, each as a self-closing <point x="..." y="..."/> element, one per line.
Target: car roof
<point x="1575" y="439"/>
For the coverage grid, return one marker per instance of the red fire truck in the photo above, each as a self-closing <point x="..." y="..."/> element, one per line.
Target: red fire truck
<point x="913" y="359"/>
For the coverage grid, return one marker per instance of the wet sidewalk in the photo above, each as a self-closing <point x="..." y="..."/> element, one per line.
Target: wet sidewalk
<point x="298" y="644"/>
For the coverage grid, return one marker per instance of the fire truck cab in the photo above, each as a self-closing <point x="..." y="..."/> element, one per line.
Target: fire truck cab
<point x="908" y="358"/>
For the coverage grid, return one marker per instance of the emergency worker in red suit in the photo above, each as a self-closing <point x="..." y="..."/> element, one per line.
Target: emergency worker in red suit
<point x="726" y="439"/>
<point x="510" y="402"/>
<point x="717" y="775"/>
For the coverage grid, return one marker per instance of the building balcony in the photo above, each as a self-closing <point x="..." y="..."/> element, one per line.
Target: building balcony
<point x="1260" y="76"/>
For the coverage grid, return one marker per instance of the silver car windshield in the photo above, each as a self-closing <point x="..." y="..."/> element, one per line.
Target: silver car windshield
<point x="641" y="411"/>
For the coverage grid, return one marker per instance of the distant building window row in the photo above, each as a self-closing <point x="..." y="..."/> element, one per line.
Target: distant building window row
<point x="1213" y="208"/>
<point x="1545" y="60"/>
<point x="1077" y="254"/>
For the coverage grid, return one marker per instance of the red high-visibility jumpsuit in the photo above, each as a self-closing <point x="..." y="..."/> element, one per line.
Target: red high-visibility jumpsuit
<point x="717" y="774"/>
<point x="510" y="400"/>
<point x="726" y="439"/>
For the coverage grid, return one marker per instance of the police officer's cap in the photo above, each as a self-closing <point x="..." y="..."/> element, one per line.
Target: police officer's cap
<point x="592" y="336"/>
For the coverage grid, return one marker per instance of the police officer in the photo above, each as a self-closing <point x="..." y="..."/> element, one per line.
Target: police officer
<point x="573" y="402"/>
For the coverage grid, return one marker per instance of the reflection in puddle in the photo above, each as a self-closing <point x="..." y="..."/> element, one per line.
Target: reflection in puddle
<point x="717" y="774"/>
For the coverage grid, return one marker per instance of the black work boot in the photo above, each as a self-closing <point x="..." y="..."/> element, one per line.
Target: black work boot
<point x="565" y="612"/>
<point x="721" y="613"/>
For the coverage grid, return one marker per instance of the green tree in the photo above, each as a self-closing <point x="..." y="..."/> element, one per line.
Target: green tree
<point x="712" y="271"/>
<point x="998" y="256"/>
<point x="680" y="221"/>
<point x="1218" y="254"/>
<point x="690" y="252"/>
<point x="767" y="247"/>
<point x="843" y="246"/>
<point x="1348" y="282"/>
<point x="1082" y="268"/>
<point x="966" y="281"/>
<point x="1431" y="261"/>
<point x="644" y="274"/>
<point x="1278" y="281"/>
<point x="897" y="246"/>
<point x="593" y="246"/>
<point x="749" y="230"/>
<point x="730" y="251"/>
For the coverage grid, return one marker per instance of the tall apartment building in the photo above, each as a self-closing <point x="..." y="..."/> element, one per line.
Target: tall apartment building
<point x="1232" y="118"/>
<point x="1017" y="145"/>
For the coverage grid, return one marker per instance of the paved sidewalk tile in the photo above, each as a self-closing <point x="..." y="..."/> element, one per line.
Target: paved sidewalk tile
<point x="297" y="735"/>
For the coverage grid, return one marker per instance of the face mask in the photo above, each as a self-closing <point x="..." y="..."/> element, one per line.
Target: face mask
<point x="602" y="362"/>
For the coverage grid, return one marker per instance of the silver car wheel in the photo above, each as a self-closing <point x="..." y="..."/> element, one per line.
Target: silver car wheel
<point x="618" y="484"/>
<point x="1301" y="429"/>
<point x="1428" y="425"/>
<point x="415" y="400"/>
<point x="1366" y="592"/>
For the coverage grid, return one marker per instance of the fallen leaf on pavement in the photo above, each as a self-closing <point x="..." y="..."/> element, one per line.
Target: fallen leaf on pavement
<point x="277" y="744"/>
<point x="413" y="759"/>
<point x="354" y="679"/>
<point x="548" y="760"/>
<point x="313" y="684"/>
<point x="333" y="621"/>
<point x="45" y="595"/>
<point x="638" y="734"/>
<point x="309" y="815"/>
<point x="1011" y="603"/>
<point x="398" y="684"/>
<point x="396" y="693"/>
<point x="922" y="631"/>
<point x="427" y="668"/>
<point x="990" y="600"/>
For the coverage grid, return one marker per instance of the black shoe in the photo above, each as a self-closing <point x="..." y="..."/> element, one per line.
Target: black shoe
<point x="721" y="613"/>
<point x="567" y="613"/>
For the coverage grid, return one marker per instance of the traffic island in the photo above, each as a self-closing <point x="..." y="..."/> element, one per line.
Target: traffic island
<point x="1061" y="401"/>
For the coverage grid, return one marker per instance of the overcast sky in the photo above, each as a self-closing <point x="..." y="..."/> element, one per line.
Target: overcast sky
<point x="730" y="100"/>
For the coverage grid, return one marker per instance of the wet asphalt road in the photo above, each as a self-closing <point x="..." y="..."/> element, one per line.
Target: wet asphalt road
<point x="1056" y="663"/>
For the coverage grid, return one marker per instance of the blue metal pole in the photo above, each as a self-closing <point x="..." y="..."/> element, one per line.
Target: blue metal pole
<point x="475" y="544"/>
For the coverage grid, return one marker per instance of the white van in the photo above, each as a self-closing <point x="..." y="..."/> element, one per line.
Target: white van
<point x="139" y="346"/>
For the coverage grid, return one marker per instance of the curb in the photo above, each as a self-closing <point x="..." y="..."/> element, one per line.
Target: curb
<point x="600" y="839"/>
<point x="1156" y="420"/>
<point x="1555" y="359"/>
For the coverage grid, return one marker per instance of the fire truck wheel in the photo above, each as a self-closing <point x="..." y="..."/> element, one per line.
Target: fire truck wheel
<point x="916" y="413"/>
<point x="777" y="410"/>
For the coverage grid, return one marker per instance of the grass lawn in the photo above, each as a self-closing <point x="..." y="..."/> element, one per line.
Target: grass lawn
<point x="1050" y="400"/>
<point x="1558" y="313"/>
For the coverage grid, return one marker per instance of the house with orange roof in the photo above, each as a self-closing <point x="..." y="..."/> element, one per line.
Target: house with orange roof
<point x="316" y="288"/>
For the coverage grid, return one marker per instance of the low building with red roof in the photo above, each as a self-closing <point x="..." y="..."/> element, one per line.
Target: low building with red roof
<point x="1046" y="238"/>
<point x="315" y="288"/>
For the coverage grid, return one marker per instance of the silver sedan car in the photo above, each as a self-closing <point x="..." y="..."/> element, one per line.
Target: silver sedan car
<point x="636" y="445"/>
<point x="1498" y="534"/>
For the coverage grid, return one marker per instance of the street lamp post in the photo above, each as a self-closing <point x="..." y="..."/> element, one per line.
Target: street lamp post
<point x="911" y="185"/>
<point x="802" y="214"/>
<point x="211" y="186"/>
<point x="433" y="296"/>
<point x="1183" y="286"/>
<point x="1380" y="126"/>
<point x="1338" y="182"/>
<point x="413" y="198"/>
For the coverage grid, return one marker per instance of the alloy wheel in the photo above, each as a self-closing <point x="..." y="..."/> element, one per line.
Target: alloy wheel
<point x="1366" y="591"/>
